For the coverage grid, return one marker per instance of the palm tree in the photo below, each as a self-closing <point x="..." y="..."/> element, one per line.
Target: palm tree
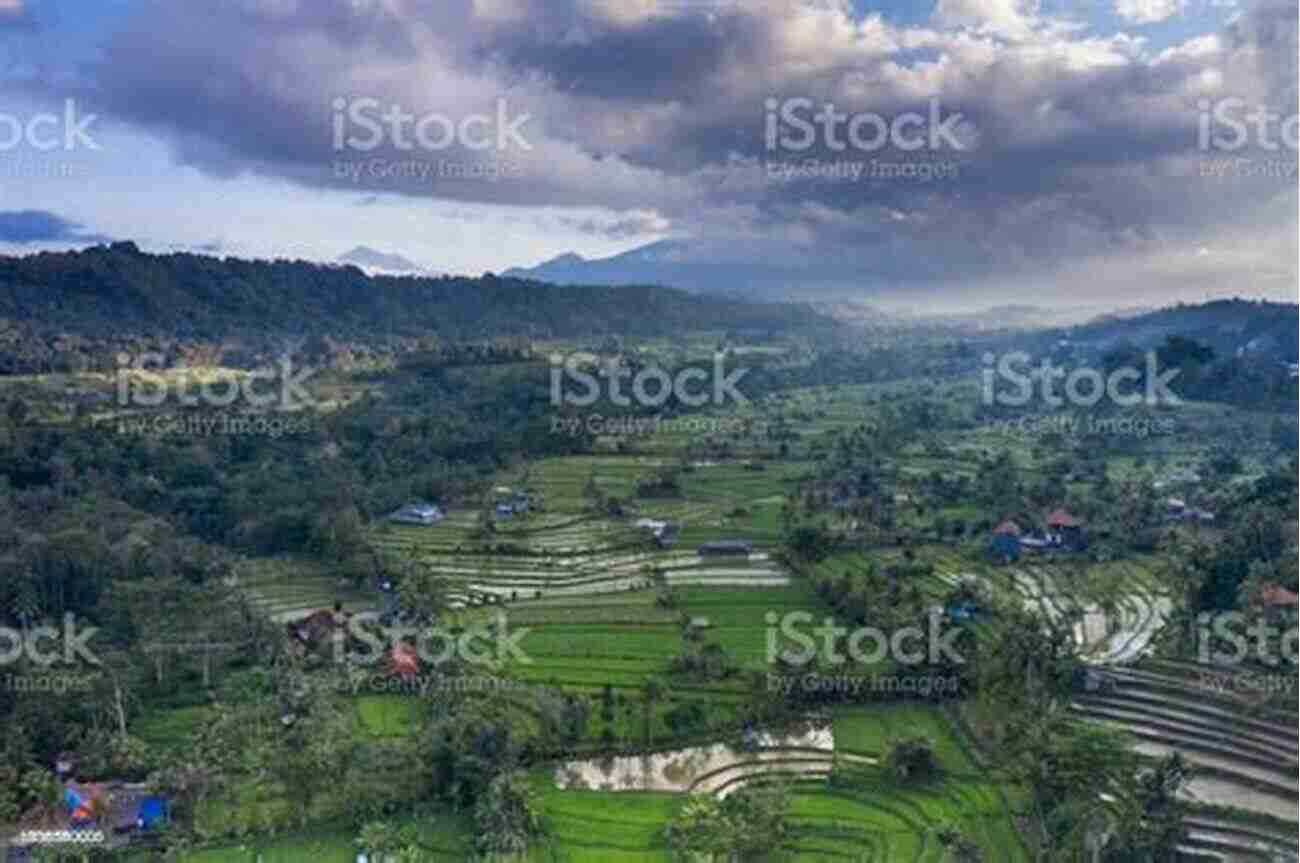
<point x="652" y="692"/>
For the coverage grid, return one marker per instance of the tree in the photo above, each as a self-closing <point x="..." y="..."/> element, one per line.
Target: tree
<point x="809" y="543"/>
<point x="1153" y="828"/>
<point x="506" y="816"/>
<point x="748" y="825"/>
<point x="378" y="839"/>
<point x="911" y="759"/>
<point x="423" y="595"/>
<point x="17" y="412"/>
<point x="960" y="848"/>
<point x="464" y="751"/>
<point x="652" y="691"/>
<point x="1071" y="769"/>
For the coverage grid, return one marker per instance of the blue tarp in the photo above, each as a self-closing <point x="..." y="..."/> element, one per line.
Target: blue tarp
<point x="152" y="811"/>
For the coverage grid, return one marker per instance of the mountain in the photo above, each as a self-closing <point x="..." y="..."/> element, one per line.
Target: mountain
<point x="663" y="262"/>
<point x="376" y="262"/>
<point x="677" y="264"/>
<point x="54" y="302"/>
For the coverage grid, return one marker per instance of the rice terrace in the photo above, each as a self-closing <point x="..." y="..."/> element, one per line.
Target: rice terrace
<point x="710" y="630"/>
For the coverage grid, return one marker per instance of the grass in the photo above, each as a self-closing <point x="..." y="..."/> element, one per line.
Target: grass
<point x="868" y="730"/>
<point x="387" y="715"/>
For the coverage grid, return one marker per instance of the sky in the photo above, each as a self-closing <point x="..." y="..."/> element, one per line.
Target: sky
<point x="1095" y="151"/>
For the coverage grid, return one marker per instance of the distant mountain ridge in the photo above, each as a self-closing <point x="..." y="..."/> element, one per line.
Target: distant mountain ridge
<point x="661" y="262"/>
<point x="116" y="290"/>
<point x="376" y="262"/>
<point x="691" y="267"/>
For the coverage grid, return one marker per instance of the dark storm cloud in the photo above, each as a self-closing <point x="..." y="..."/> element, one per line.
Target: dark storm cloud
<point x="25" y="227"/>
<point x="1080" y="144"/>
<point x="658" y="60"/>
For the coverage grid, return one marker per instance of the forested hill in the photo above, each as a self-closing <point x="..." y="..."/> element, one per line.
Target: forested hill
<point x="1231" y="328"/>
<point x="184" y="296"/>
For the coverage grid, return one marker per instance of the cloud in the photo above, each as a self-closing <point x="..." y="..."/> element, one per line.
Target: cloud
<point x="653" y="112"/>
<point x="1147" y="11"/>
<point x="1013" y="19"/>
<point x="633" y="225"/>
<point x="25" y="227"/>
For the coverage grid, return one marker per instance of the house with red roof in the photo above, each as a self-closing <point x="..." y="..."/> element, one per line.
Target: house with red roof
<point x="1065" y="530"/>
<point x="1277" y="595"/>
<point x="403" y="660"/>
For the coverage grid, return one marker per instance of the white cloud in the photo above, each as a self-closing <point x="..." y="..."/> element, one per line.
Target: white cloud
<point x="1012" y="19"/>
<point x="1147" y="11"/>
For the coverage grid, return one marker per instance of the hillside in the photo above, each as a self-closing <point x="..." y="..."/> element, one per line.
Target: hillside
<point x="1240" y="328"/>
<point x="120" y="290"/>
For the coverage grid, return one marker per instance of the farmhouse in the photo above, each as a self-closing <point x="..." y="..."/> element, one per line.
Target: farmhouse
<point x="403" y="661"/>
<point x="725" y="547"/>
<point x="1176" y="509"/>
<point x="1065" y="530"/>
<point x="419" y="512"/>
<point x="663" y="532"/>
<point x="317" y="626"/>
<point x="515" y="503"/>
<point x="1278" y="596"/>
<point x="117" y="807"/>
<point x="119" y="810"/>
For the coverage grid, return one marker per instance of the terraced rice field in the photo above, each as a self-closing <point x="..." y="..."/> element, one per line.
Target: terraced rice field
<point x="1245" y="753"/>
<point x="285" y="589"/>
<point x="1246" y="756"/>
<point x="712" y="769"/>
<point x="624" y="640"/>
<point x="860" y="814"/>
<point x="566" y="550"/>
<point x="1120" y="605"/>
